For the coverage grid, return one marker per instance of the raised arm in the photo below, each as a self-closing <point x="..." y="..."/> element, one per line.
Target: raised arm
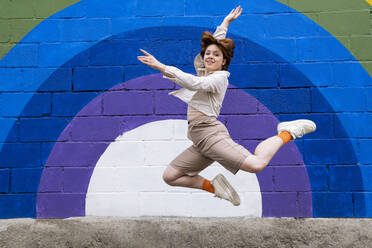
<point x="235" y="13"/>
<point x="219" y="34"/>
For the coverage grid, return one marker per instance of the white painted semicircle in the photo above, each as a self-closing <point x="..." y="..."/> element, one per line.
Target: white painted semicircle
<point x="127" y="179"/>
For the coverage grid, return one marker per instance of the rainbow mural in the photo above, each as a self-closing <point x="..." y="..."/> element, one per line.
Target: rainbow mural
<point x="88" y="130"/>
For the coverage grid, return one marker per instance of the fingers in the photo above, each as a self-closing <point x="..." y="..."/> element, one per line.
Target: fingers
<point x="143" y="60"/>
<point x="146" y="60"/>
<point x="238" y="9"/>
<point x="145" y="52"/>
<point x="237" y="12"/>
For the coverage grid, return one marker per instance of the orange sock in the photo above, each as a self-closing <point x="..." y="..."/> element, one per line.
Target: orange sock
<point x="285" y="136"/>
<point x="207" y="186"/>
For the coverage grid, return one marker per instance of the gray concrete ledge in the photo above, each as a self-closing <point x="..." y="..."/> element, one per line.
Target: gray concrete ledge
<point x="185" y="232"/>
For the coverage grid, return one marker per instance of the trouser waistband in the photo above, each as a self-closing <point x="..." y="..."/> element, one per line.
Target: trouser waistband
<point x="201" y="119"/>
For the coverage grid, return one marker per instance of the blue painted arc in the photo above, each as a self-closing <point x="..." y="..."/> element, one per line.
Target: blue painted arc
<point x="67" y="53"/>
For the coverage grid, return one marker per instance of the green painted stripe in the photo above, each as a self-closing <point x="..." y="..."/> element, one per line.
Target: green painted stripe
<point x="348" y="21"/>
<point x="19" y="17"/>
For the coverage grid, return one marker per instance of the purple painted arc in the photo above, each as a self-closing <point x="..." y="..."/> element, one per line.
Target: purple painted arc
<point x="69" y="167"/>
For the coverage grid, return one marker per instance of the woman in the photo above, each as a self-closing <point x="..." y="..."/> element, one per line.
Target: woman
<point x="204" y="95"/>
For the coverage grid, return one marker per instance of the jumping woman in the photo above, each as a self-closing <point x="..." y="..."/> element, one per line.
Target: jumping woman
<point x="204" y="95"/>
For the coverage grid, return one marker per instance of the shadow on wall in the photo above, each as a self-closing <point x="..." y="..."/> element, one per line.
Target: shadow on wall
<point x="276" y="83"/>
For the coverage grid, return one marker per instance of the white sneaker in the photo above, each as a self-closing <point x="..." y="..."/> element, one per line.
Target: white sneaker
<point x="224" y="190"/>
<point x="297" y="128"/>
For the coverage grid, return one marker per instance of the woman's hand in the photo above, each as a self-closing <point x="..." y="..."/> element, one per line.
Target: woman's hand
<point x="151" y="61"/>
<point x="235" y="13"/>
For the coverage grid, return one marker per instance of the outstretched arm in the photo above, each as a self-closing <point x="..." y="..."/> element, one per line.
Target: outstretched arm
<point x="219" y="34"/>
<point x="213" y="83"/>
<point x="221" y="30"/>
<point x="233" y="15"/>
<point x="151" y="61"/>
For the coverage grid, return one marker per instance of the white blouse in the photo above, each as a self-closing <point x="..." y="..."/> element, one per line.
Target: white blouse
<point x="204" y="93"/>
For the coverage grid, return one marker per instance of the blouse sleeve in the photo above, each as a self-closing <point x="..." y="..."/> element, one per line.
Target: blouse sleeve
<point x="220" y="33"/>
<point x="212" y="83"/>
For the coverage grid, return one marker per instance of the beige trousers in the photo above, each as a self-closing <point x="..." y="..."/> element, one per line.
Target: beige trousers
<point x="211" y="142"/>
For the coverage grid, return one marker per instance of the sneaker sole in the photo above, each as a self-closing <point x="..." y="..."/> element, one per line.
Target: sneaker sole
<point x="300" y="121"/>
<point x="227" y="186"/>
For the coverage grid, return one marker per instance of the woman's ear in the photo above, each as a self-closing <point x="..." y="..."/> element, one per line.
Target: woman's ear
<point x="224" y="62"/>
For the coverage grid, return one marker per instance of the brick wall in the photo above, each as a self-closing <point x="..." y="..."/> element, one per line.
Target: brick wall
<point x="72" y="91"/>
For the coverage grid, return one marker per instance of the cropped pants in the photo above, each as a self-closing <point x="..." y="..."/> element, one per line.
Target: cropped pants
<point x="211" y="142"/>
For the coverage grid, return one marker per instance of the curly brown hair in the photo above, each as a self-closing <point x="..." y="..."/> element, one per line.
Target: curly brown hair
<point x="226" y="45"/>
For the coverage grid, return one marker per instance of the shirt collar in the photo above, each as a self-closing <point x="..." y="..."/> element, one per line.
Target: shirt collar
<point x="223" y="72"/>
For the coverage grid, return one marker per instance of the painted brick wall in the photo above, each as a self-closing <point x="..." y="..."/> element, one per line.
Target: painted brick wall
<point x="88" y="130"/>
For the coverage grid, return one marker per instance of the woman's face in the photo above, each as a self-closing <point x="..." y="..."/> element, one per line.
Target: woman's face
<point x="213" y="58"/>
